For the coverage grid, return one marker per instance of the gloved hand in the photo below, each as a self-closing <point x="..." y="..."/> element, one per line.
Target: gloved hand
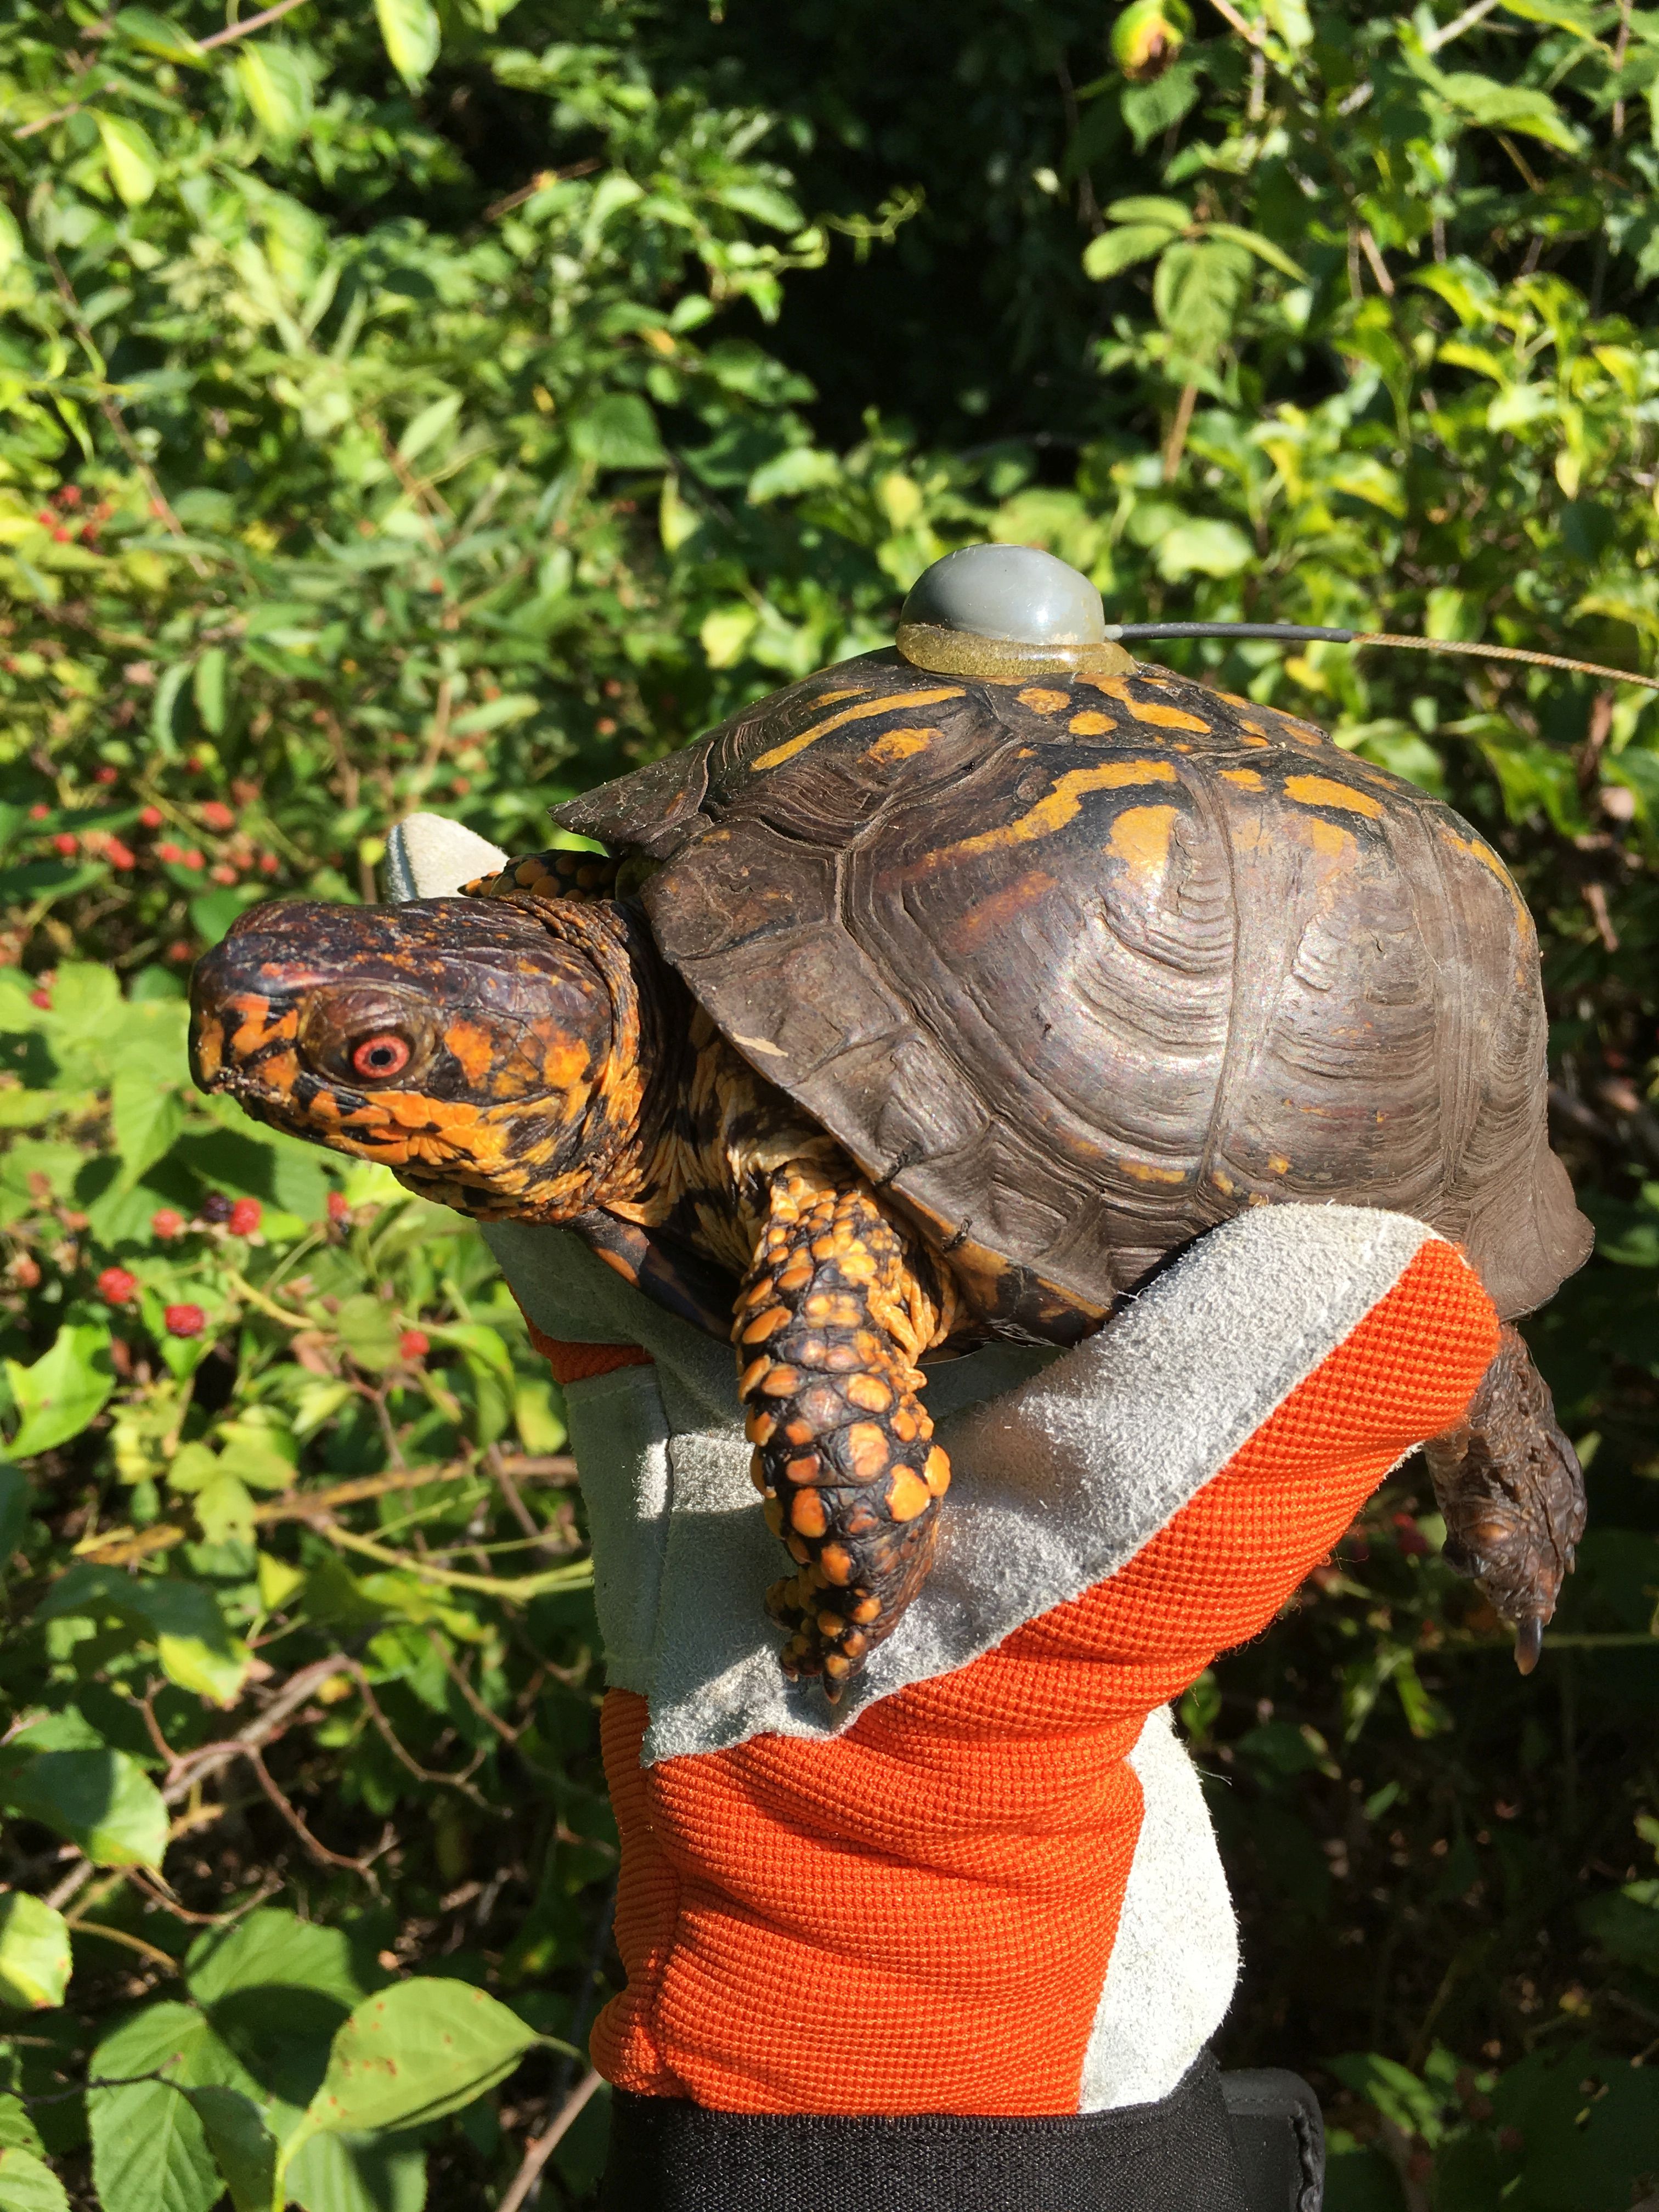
<point x="987" y="1884"/>
<point x="984" y="1888"/>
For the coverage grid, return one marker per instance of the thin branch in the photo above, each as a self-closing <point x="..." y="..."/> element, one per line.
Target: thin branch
<point x="1458" y="25"/>
<point x="119" y="1547"/>
<point x="513" y="1590"/>
<point x="202" y="46"/>
<point x="319" y="1851"/>
<point x="257" y="1297"/>
<point x="1620" y="45"/>
<point x="503" y="1729"/>
<point x="540" y="2147"/>
<point x="539" y="183"/>
<point x="1253" y="32"/>
<point x="133" y="1942"/>
<point x="156" y="1891"/>
<point x="254" y="23"/>
<point x="46" y="122"/>
<point x="403" y="1756"/>
<point x="1368" y="247"/>
<point x="1175" y="444"/>
<point x="195" y="1767"/>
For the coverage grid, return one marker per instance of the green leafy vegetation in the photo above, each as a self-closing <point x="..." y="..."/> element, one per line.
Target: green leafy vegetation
<point x="453" y="405"/>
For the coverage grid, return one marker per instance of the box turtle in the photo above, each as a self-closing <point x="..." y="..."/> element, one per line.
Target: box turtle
<point x="940" y="997"/>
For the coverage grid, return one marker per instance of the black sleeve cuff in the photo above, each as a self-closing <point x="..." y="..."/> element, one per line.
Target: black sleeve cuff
<point x="1180" y="2154"/>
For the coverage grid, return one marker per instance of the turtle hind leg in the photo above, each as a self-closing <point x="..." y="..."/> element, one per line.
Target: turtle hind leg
<point x="1512" y="1493"/>
<point x="838" y="1305"/>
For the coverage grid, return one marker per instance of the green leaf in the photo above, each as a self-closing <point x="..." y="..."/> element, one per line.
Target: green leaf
<point x="368" y="1329"/>
<point x="1508" y="107"/>
<point x="618" y="432"/>
<point x="415" y="2052"/>
<point x="482" y="1346"/>
<point x="243" y="2148"/>
<point x="429" y="425"/>
<point x="1625" y="1924"/>
<point x="66" y="1389"/>
<point x="1148" y="207"/>
<point x="357" y="2173"/>
<point x="27" y="2184"/>
<point x="102" y="1801"/>
<point x="207" y="688"/>
<point x="149" y="2148"/>
<point x="132" y="161"/>
<point x="1117" y="250"/>
<point x="1253" y="242"/>
<point x="412" y="35"/>
<point x="259" y="1447"/>
<point x="1559" y="15"/>
<point x="270" y="1952"/>
<point x="195" y="1647"/>
<point x="801" y="469"/>
<point x="1198" y="291"/>
<point x="272" y="80"/>
<point x="1150" y="109"/>
<point x="159" y="35"/>
<point x="147" y="1121"/>
<point x="496" y="714"/>
<point x="1203" y="547"/>
<point x="224" y="1512"/>
<point x="16" y="1494"/>
<point x="34" y="1952"/>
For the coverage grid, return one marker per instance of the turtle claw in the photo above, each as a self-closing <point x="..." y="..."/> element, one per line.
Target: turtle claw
<point x="1528" y="1642"/>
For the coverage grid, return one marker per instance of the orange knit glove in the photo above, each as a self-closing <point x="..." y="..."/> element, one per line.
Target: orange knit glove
<point x="993" y="1891"/>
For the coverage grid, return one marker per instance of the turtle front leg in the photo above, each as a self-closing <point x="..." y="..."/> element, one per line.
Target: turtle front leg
<point x="1510" y="1487"/>
<point x="838" y="1305"/>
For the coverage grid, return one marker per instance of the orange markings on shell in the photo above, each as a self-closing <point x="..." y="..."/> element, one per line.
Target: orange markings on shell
<point x="1150" y="710"/>
<point x="1043" y="702"/>
<point x="937" y="1472"/>
<point x="1323" y="790"/>
<point x="900" y="746"/>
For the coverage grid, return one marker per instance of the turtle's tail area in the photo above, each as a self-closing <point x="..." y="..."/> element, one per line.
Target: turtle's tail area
<point x="838" y="1305"/>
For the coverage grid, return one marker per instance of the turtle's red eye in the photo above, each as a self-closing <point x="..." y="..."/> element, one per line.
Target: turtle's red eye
<point x="379" y="1056"/>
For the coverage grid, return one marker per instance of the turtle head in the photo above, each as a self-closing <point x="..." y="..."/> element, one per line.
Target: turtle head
<point x="485" y="1051"/>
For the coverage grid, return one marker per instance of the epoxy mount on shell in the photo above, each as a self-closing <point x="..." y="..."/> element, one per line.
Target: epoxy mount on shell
<point x="1005" y="613"/>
